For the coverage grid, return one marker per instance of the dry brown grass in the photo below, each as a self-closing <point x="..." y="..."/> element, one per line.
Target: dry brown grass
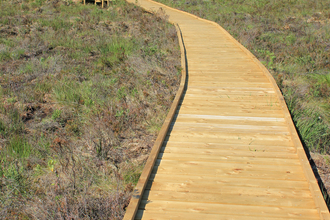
<point x="84" y="92"/>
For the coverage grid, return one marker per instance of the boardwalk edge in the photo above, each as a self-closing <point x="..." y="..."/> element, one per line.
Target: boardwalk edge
<point x="139" y="189"/>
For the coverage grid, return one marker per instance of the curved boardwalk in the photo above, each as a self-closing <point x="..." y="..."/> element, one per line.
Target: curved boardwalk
<point x="228" y="148"/>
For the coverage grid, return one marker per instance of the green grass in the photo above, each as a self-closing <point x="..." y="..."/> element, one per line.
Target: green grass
<point x="18" y="148"/>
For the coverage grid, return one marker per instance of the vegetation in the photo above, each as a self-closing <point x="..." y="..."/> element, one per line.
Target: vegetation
<point x="291" y="38"/>
<point x="84" y="90"/>
<point x="83" y="93"/>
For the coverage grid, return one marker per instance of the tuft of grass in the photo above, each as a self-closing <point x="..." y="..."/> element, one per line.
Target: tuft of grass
<point x="18" y="147"/>
<point x="132" y="176"/>
<point x="56" y="114"/>
<point x="322" y="78"/>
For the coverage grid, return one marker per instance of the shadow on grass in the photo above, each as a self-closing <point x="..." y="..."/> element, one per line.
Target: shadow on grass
<point x="315" y="171"/>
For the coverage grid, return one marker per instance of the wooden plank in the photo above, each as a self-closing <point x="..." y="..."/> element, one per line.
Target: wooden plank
<point x="227" y="104"/>
<point x="230" y="88"/>
<point x="234" y="117"/>
<point x="229" y="135"/>
<point x="146" y="214"/>
<point x="183" y="121"/>
<point x="229" y="111"/>
<point x="226" y="140"/>
<point x="264" y="212"/>
<point x="230" y="92"/>
<point x="206" y="146"/>
<point x="252" y="151"/>
<point x="238" y="167"/>
<point x="231" y="181"/>
<point x="230" y="159"/>
<point x="225" y="72"/>
<point x="261" y="99"/>
<point x="229" y="132"/>
<point x="227" y="190"/>
<point x="237" y="84"/>
<point x="232" y="128"/>
<point x="220" y="78"/>
<point x="218" y="198"/>
<point x="232" y="66"/>
<point x="236" y="170"/>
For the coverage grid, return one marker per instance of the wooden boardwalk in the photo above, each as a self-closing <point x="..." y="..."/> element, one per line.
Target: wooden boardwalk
<point x="228" y="148"/>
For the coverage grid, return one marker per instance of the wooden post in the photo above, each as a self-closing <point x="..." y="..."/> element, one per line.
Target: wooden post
<point x="102" y="3"/>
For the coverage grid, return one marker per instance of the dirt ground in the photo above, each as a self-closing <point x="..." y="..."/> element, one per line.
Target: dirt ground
<point x="321" y="167"/>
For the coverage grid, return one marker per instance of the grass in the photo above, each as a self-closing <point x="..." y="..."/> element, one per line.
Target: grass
<point x="83" y="93"/>
<point x="291" y="38"/>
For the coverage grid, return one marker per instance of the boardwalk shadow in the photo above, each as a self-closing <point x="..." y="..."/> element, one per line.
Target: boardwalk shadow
<point x="155" y="168"/>
<point x="315" y="171"/>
